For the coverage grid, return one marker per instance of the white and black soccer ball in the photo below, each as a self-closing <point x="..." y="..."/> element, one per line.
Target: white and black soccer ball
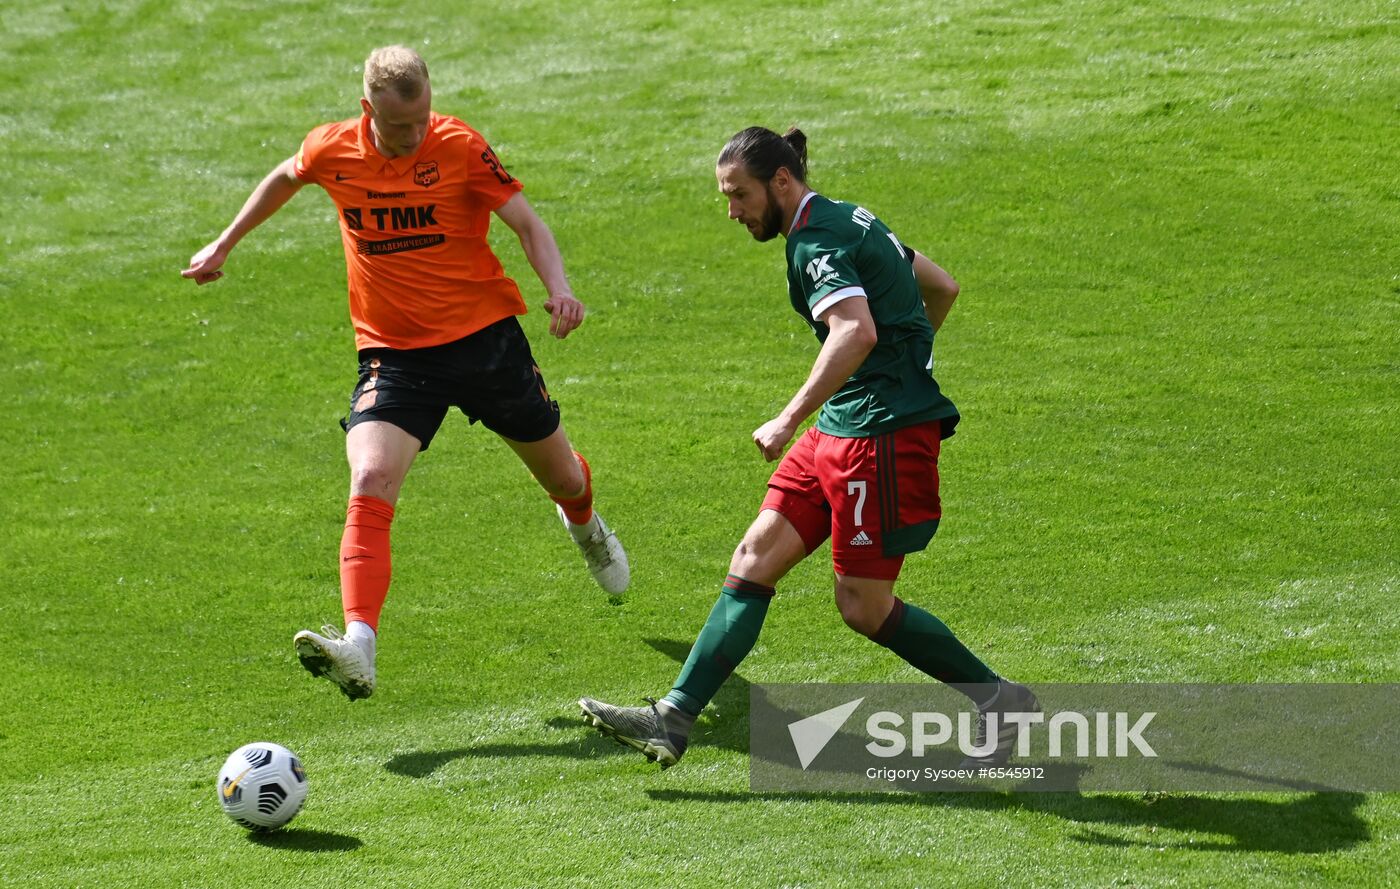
<point x="262" y="786"/>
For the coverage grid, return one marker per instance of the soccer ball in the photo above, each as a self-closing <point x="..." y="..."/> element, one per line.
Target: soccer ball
<point x="262" y="786"/>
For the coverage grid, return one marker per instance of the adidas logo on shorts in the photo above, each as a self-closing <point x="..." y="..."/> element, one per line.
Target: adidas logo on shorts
<point x="862" y="539"/>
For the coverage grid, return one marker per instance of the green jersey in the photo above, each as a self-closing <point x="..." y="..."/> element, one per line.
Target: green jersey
<point x="837" y="251"/>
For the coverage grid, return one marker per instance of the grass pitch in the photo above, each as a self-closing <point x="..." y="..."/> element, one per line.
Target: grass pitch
<point x="1174" y="353"/>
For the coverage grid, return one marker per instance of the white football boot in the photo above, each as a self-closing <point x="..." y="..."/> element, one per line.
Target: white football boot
<point x="606" y="559"/>
<point x="347" y="664"/>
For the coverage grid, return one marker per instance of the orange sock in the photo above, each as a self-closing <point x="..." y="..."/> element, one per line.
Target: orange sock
<point x="364" y="559"/>
<point x="579" y="509"/>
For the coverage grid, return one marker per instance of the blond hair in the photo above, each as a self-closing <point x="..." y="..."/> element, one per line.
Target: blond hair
<point x="398" y="68"/>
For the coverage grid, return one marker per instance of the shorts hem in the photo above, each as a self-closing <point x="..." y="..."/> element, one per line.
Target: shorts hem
<point x="812" y="523"/>
<point x="522" y="440"/>
<point x="909" y="539"/>
<point x="887" y="568"/>
<point x="355" y="419"/>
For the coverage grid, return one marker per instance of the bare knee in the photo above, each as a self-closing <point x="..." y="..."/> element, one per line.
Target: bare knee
<point x="553" y="463"/>
<point x="562" y="478"/>
<point x="769" y="549"/>
<point x="373" y="479"/>
<point x="379" y="455"/>
<point x="863" y="610"/>
<point x="746" y="555"/>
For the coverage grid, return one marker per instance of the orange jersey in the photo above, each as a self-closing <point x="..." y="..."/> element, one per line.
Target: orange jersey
<point x="414" y="230"/>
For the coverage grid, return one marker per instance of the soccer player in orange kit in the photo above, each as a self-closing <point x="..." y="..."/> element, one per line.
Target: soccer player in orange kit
<point x="435" y="327"/>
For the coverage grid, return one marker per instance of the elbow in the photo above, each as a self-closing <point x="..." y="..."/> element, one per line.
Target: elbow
<point x="943" y="289"/>
<point x="941" y="294"/>
<point x="534" y="235"/>
<point x="854" y="338"/>
<point x="527" y="240"/>
<point x="865" y="338"/>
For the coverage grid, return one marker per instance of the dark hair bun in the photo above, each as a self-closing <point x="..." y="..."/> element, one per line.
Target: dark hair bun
<point x="763" y="152"/>
<point x="798" y="140"/>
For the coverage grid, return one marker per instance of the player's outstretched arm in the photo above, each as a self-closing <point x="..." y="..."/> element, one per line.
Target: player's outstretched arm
<point x="852" y="337"/>
<point x="937" y="288"/>
<point x="275" y="190"/>
<point x="565" y="311"/>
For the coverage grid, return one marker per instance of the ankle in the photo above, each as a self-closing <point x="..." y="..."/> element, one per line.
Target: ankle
<point x="675" y="717"/>
<point x="362" y="634"/>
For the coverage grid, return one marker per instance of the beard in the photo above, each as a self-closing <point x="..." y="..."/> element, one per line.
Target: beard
<point x="772" y="217"/>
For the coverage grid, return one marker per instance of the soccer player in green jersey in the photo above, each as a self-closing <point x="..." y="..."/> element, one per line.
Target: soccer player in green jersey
<point x="866" y="475"/>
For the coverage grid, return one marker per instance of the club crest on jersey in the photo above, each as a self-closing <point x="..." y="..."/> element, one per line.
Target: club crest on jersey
<point x="426" y="174"/>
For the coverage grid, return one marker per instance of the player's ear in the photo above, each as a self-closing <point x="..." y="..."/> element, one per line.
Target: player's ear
<point x="366" y="106"/>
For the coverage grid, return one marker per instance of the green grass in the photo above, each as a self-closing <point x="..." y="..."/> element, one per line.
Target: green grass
<point x="1174" y="352"/>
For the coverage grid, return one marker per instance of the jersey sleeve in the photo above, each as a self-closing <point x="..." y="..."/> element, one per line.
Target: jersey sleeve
<point x="311" y="151"/>
<point x="825" y="271"/>
<point x="488" y="182"/>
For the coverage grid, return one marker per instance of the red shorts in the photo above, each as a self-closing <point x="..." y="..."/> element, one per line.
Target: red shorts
<point x="877" y="498"/>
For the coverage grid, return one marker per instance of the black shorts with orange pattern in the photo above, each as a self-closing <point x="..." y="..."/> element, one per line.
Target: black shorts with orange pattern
<point x="490" y="375"/>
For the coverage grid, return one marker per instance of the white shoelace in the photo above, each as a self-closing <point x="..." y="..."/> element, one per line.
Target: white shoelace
<point x="596" y="549"/>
